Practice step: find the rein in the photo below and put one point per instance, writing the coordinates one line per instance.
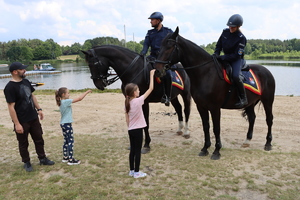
(168, 62)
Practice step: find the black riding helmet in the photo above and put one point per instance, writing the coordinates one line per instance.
(235, 20)
(156, 15)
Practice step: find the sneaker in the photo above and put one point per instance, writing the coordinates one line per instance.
(139, 174)
(28, 167)
(46, 161)
(74, 162)
(64, 160)
(131, 173)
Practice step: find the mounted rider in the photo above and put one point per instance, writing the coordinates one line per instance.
(153, 39)
(233, 43)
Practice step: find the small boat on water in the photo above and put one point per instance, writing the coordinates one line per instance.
(43, 67)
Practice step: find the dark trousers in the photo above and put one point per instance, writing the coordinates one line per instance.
(68, 140)
(33, 128)
(136, 141)
(167, 82)
(236, 70)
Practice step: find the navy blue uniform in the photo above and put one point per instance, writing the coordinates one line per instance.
(153, 39)
(233, 45)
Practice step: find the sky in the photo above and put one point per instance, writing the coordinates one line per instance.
(201, 21)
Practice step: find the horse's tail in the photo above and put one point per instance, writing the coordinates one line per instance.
(245, 110)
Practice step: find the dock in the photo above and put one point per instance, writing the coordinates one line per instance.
(31, 73)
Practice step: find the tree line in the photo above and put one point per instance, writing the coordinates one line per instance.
(267, 49)
(23, 50)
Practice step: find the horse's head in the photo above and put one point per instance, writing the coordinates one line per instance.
(98, 68)
(168, 55)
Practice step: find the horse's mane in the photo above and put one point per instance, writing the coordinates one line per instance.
(194, 45)
(116, 47)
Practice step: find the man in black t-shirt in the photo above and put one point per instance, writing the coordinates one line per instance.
(24, 110)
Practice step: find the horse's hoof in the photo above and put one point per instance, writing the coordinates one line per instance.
(186, 136)
(245, 145)
(215, 156)
(268, 147)
(203, 153)
(145, 150)
(179, 132)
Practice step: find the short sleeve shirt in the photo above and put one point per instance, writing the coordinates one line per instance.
(20, 93)
(66, 111)
(136, 115)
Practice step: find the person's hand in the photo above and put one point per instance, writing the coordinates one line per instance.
(89, 91)
(41, 114)
(152, 72)
(217, 56)
(142, 54)
(19, 129)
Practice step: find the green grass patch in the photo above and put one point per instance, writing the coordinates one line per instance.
(173, 172)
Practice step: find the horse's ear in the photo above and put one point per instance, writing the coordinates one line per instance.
(175, 34)
(85, 52)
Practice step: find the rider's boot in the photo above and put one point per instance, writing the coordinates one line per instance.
(242, 95)
(167, 90)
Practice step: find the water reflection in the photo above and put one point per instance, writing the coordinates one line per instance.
(77, 76)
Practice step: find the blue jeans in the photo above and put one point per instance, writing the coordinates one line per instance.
(68, 140)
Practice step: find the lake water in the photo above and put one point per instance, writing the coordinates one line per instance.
(77, 76)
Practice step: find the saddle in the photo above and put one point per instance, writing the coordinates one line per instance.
(228, 69)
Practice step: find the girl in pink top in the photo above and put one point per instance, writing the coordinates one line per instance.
(136, 122)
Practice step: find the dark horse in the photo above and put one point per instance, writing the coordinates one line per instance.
(210, 91)
(133, 68)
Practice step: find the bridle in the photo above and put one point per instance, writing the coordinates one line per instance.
(169, 60)
(104, 77)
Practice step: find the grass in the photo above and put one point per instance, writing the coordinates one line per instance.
(174, 172)
(68, 57)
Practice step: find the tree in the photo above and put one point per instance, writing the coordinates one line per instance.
(14, 53)
(41, 53)
(26, 54)
(75, 48)
(136, 47)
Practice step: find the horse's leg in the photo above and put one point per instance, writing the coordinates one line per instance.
(216, 117)
(249, 111)
(178, 109)
(269, 119)
(146, 147)
(187, 110)
(205, 123)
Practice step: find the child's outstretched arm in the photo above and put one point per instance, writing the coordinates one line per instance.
(151, 85)
(81, 96)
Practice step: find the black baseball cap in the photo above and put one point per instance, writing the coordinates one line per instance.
(17, 65)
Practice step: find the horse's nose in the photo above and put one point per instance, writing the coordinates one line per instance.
(157, 73)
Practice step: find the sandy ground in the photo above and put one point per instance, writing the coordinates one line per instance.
(102, 113)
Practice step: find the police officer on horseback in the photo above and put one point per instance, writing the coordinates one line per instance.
(153, 39)
(233, 43)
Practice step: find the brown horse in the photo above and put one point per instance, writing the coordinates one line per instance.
(210, 91)
(133, 68)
